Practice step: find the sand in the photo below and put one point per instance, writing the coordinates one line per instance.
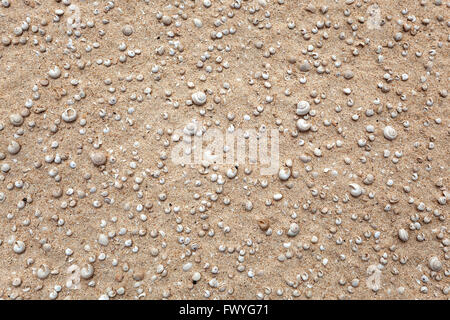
(136, 224)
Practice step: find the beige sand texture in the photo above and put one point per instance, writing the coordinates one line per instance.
(96, 96)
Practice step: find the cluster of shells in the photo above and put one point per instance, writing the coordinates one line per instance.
(91, 205)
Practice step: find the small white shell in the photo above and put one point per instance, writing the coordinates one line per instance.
(14, 147)
(356, 190)
(87, 271)
(54, 73)
(16, 119)
(294, 229)
(69, 115)
(19, 247)
(403, 235)
(231, 173)
(284, 173)
(303, 108)
(199, 98)
(389, 133)
(302, 125)
(43, 272)
(435, 264)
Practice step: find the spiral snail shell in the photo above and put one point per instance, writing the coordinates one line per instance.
(390, 133)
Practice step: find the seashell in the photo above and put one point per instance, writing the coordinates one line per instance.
(356, 190)
(54, 73)
(284, 173)
(389, 133)
(294, 229)
(19, 247)
(231, 173)
(43, 272)
(403, 235)
(14, 147)
(199, 98)
(303, 108)
(87, 271)
(435, 264)
(69, 115)
(16, 119)
(302, 125)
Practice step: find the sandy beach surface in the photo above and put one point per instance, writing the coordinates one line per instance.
(224, 149)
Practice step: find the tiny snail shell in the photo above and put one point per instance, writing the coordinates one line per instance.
(16, 119)
(356, 190)
(303, 108)
(69, 115)
(14, 147)
(403, 235)
(87, 271)
(43, 272)
(199, 98)
(284, 173)
(54, 73)
(389, 133)
(294, 229)
(231, 173)
(98, 158)
(19, 247)
(435, 264)
(302, 125)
